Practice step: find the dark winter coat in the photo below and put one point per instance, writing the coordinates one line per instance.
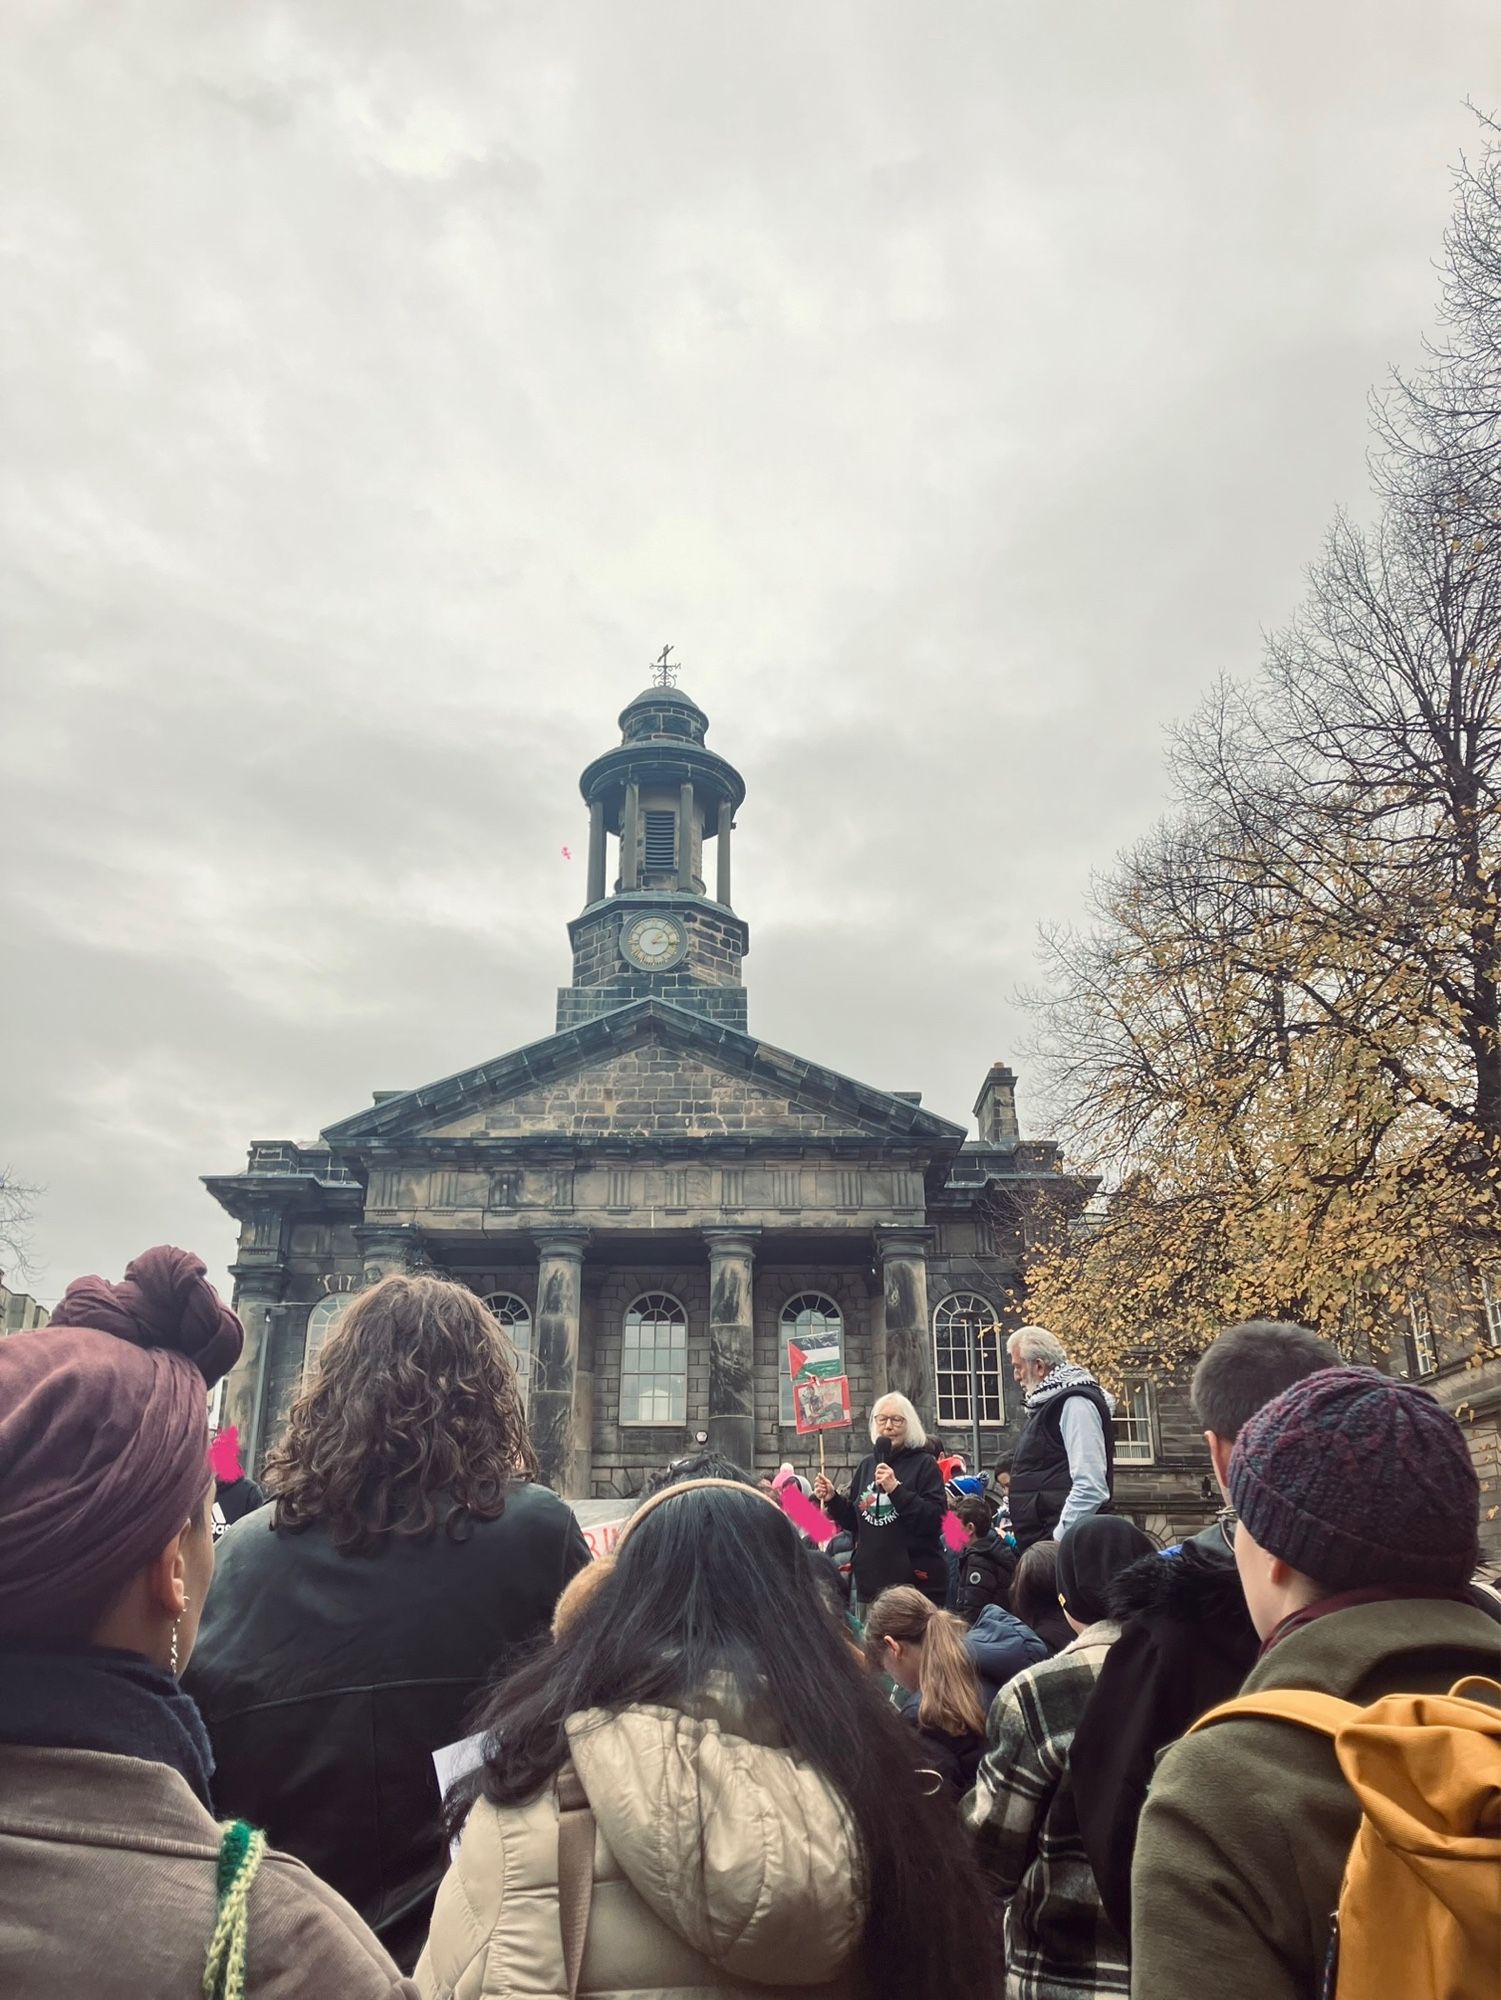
(1001, 1648)
(980, 1575)
(1041, 1476)
(898, 1536)
(1186, 1644)
(235, 1498)
(956, 1759)
(327, 1681)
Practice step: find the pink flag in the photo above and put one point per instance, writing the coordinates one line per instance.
(224, 1455)
(802, 1513)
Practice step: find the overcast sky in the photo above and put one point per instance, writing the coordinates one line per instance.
(961, 389)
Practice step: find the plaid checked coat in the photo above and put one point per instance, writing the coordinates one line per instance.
(1060, 1945)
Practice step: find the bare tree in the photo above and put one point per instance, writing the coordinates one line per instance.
(1281, 1035)
(18, 1200)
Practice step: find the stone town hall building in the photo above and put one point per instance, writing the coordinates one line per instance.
(653, 1200)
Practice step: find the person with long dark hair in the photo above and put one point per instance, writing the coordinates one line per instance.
(356, 1618)
(116, 1876)
(699, 1790)
(1034, 1596)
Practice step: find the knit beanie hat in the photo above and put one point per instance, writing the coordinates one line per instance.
(1357, 1480)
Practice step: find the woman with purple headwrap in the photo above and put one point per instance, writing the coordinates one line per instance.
(115, 1878)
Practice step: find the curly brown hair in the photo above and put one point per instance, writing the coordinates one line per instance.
(414, 1406)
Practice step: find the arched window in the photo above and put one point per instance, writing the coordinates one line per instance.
(968, 1346)
(817, 1325)
(515, 1315)
(321, 1322)
(654, 1361)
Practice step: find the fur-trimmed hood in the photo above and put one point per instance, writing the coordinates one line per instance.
(1188, 1584)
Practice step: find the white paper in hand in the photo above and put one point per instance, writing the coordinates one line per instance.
(455, 1761)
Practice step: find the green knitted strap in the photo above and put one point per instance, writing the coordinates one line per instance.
(241, 1850)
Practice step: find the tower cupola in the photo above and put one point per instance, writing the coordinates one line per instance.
(652, 925)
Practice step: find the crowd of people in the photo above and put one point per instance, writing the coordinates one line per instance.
(1016, 1750)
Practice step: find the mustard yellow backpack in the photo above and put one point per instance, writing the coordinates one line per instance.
(1420, 1905)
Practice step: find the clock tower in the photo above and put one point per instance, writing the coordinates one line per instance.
(656, 930)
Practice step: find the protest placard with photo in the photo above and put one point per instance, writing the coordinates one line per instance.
(822, 1403)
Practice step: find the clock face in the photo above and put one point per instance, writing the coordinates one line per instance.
(653, 942)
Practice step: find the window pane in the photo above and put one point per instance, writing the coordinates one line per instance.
(515, 1315)
(321, 1322)
(1133, 1425)
(966, 1332)
(654, 1361)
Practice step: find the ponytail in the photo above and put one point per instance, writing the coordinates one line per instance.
(948, 1686)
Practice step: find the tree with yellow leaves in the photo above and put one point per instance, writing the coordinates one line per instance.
(1279, 1040)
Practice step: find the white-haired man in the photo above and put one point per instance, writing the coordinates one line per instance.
(1064, 1464)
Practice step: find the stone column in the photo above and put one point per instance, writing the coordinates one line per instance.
(596, 888)
(732, 1410)
(386, 1247)
(630, 838)
(555, 1355)
(592, 1285)
(257, 1295)
(903, 1255)
(722, 887)
(685, 837)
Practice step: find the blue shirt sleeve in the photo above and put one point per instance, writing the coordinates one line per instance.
(1083, 1437)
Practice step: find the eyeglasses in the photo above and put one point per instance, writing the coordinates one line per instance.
(1227, 1520)
(897, 1423)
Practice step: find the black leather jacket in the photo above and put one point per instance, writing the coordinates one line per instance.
(327, 1681)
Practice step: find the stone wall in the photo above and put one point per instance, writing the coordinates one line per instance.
(624, 1454)
(707, 981)
(649, 1091)
(725, 1005)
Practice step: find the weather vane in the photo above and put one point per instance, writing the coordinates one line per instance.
(664, 671)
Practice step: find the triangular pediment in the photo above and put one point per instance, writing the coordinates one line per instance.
(648, 1071)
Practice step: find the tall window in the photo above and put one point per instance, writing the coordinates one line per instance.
(1135, 1443)
(1490, 1291)
(967, 1346)
(808, 1317)
(321, 1322)
(1424, 1347)
(515, 1315)
(654, 1362)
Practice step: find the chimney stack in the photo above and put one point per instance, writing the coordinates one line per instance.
(995, 1107)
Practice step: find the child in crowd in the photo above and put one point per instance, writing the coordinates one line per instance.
(923, 1650)
(980, 1573)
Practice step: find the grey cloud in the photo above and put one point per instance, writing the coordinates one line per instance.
(378, 390)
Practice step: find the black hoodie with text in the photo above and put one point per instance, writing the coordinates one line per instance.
(898, 1535)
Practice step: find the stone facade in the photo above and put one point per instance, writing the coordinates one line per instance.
(19, 1311)
(1449, 1340)
(651, 1191)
